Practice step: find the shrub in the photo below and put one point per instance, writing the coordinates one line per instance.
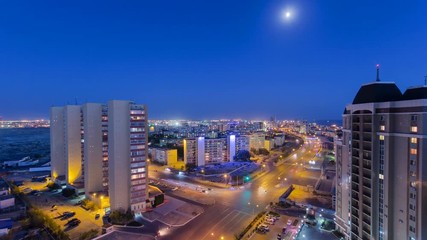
(53, 185)
(89, 205)
(89, 234)
(120, 217)
(68, 192)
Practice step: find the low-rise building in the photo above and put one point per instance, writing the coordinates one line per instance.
(164, 156)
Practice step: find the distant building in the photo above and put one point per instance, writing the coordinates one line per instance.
(204, 151)
(269, 144)
(381, 170)
(7, 199)
(164, 155)
(257, 140)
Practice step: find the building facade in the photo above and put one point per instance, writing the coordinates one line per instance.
(204, 151)
(381, 166)
(164, 156)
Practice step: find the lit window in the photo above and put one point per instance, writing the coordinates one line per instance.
(381, 176)
(414, 129)
(382, 127)
(413, 140)
(413, 151)
(381, 137)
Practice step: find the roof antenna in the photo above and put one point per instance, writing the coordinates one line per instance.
(378, 73)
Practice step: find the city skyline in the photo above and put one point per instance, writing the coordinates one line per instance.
(206, 60)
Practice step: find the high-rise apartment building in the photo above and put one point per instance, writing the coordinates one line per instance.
(106, 147)
(127, 155)
(65, 143)
(381, 166)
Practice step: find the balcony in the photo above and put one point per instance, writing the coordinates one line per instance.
(367, 120)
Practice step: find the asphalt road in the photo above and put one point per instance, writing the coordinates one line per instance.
(234, 209)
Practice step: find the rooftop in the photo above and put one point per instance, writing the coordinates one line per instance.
(419, 92)
(378, 92)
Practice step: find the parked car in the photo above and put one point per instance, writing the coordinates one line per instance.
(266, 227)
(66, 215)
(74, 223)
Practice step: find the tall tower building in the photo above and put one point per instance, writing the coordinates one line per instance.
(65, 138)
(382, 166)
(127, 155)
(92, 148)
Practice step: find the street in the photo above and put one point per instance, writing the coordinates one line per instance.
(235, 208)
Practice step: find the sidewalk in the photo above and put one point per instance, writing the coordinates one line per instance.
(174, 212)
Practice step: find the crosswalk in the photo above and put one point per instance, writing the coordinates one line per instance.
(232, 223)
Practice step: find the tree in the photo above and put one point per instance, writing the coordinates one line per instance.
(263, 151)
(53, 185)
(190, 167)
(242, 155)
(120, 217)
(254, 151)
(68, 192)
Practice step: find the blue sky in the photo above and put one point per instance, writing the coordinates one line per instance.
(206, 59)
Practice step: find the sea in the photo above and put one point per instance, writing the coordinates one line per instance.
(17, 143)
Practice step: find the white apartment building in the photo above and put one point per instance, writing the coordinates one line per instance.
(104, 146)
(203, 151)
(257, 140)
(381, 170)
(127, 155)
(65, 143)
(164, 155)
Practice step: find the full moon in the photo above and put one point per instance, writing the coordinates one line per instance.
(286, 15)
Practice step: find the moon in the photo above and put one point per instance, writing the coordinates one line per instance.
(286, 14)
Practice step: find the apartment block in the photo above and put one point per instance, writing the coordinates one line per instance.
(164, 155)
(103, 148)
(381, 165)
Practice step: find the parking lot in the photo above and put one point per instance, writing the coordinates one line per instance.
(283, 228)
(54, 205)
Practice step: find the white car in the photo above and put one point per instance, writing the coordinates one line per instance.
(269, 221)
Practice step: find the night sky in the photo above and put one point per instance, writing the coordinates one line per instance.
(206, 59)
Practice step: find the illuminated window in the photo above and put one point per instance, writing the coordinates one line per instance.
(381, 176)
(414, 129)
(413, 151)
(413, 140)
(381, 137)
(382, 127)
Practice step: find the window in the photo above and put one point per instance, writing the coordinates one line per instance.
(414, 140)
(414, 118)
(381, 137)
(382, 127)
(413, 151)
(414, 129)
(381, 176)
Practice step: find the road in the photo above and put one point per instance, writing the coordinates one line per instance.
(234, 209)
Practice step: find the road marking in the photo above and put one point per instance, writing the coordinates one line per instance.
(224, 218)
